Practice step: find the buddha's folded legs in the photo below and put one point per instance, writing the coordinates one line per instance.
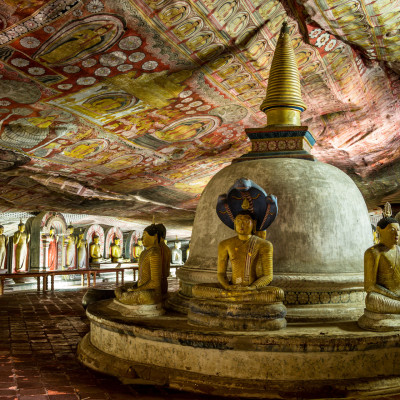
(381, 304)
(267, 294)
(128, 295)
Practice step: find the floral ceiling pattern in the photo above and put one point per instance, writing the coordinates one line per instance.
(129, 107)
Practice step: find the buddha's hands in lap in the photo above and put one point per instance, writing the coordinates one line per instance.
(242, 288)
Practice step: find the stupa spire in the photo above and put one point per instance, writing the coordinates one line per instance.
(283, 103)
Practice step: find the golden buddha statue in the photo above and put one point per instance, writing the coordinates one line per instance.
(70, 241)
(246, 208)
(166, 258)
(81, 245)
(382, 278)
(21, 240)
(147, 290)
(95, 250)
(247, 254)
(3, 247)
(116, 251)
(137, 250)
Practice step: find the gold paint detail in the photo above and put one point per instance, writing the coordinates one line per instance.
(284, 90)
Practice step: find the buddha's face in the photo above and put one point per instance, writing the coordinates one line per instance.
(243, 225)
(177, 245)
(70, 231)
(81, 236)
(51, 232)
(390, 235)
(21, 228)
(96, 240)
(148, 240)
(116, 241)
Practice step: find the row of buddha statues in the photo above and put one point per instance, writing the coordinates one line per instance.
(249, 211)
(46, 242)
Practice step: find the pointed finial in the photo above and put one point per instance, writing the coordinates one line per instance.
(387, 211)
(283, 102)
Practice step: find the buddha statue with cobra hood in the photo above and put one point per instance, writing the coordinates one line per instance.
(246, 208)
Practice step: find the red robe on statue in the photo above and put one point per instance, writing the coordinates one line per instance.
(53, 254)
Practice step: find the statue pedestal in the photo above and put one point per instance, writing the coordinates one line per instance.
(237, 316)
(312, 360)
(379, 322)
(143, 310)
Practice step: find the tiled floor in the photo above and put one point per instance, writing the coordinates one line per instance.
(38, 338)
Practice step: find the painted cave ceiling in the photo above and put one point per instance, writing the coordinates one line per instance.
(129, 107)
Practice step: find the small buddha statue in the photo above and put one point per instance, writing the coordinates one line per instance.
(116, 251)
(176, 254)
(21, 240)
(147, 290)
(3, 247)
(137, 250)
(70, 251)
(81, 246)
(247, 209)
(382, 278)
(95, 250)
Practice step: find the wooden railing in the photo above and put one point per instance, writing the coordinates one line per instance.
(88, 272)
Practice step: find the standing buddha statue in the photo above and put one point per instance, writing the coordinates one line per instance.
(81, 246)
(21, 240)
(3, 247)
(70, 250)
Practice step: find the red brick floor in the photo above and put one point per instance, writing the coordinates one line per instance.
(38, 338)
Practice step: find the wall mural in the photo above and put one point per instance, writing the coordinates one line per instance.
(120, 106)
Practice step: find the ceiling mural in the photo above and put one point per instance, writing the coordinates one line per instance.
(129, 107)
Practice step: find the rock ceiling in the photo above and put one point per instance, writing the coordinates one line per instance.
(128, 108)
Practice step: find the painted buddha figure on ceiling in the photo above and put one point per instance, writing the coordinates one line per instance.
(246, 208)
(382, 278)
(147, 290)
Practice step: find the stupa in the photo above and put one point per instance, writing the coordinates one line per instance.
(323, 227)
(319, 238)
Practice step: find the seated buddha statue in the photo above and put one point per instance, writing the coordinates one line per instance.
(248, 254)
(95, 251)
(116, 251)
(246, 209)
(147, 290)
(382, 278)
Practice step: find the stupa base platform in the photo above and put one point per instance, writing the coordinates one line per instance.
(379, 322)
(243, 316)
(312, 360)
